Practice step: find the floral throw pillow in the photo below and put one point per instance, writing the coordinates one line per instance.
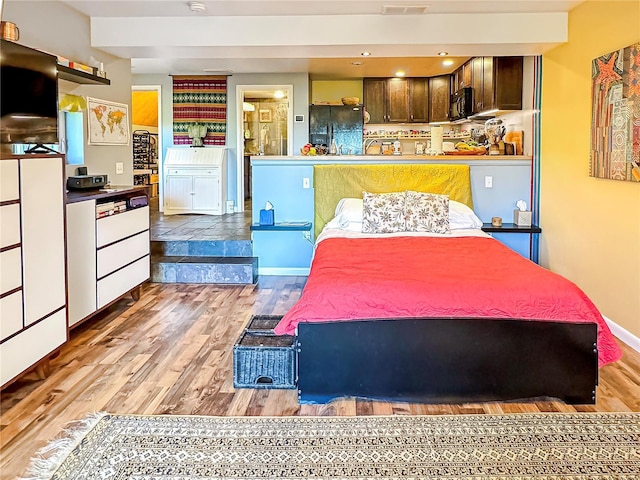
(383, 212)
(427, 212)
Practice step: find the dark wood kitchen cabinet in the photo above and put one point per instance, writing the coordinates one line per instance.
(461, 77)
(396, 100)
(439, 98)
(497, 83)
(419, 100)
(375, 99)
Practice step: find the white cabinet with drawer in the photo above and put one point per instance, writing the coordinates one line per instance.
(33, 314)
(195, 181)
(107, 257)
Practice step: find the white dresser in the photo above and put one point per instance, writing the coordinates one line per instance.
(33, 314)
(195, 180)
(107, 257)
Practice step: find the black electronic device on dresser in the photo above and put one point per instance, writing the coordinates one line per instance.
(461, 104)
(86, 182)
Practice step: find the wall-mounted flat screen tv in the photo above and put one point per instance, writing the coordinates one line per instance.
(29, 95)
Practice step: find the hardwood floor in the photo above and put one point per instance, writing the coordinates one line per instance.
(171, 353)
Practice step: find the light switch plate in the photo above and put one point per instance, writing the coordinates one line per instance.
(119, 167)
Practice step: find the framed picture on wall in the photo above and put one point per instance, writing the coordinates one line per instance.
(265, 116)
(615, 100)
(108, 122)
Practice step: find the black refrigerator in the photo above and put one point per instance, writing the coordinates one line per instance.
(340, 123)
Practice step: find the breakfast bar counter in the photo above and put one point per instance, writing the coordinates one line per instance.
(385, 159)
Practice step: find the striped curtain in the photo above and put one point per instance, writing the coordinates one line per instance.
(201, 99)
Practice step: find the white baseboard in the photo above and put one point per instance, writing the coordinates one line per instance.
(625, 335)
(296, 272)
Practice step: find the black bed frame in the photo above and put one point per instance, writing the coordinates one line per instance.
(449, 360)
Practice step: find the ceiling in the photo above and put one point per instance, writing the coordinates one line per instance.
(324, 39)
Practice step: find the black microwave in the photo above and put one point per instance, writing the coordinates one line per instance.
(461, 104)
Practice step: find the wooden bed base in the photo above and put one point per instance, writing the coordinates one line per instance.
(447, 360)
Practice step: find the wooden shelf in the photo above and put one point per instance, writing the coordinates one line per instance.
(78, 76)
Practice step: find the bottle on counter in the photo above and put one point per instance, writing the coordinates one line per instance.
(333, 148)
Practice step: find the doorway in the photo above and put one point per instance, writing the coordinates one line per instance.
(264, 127)
(146, 119)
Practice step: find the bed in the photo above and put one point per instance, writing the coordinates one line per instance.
(435, 317)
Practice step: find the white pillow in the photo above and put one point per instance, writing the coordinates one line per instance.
(461, 216)
(349, 210)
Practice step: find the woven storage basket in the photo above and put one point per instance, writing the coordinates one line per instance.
(263, 323)
(350, 100)
(262, 359)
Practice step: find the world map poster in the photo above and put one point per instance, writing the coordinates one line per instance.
(108, 122)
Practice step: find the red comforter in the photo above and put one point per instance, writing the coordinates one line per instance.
(437, 277)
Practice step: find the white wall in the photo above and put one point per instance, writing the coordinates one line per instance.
(60, 30)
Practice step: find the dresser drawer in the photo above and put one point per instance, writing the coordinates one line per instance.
(22, 351)
(119, 254)
(194, 172)
(11, 268)
(9, 225)
(114, 228)
(118, 283)
(10, 314)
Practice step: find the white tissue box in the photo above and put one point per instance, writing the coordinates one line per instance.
(522, 218)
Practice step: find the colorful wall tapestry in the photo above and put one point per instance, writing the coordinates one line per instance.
(199, 101)
(615, 120)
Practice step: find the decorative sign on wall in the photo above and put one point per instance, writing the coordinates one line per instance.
(615, 119)
(108, 122)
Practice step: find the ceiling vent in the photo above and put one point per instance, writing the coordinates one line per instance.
(404, 10)
(197, 7)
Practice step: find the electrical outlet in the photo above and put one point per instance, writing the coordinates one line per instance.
(119, 167)
(488, 182)
(306, 235)
(306, 183)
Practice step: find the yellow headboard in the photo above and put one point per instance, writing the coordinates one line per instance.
(333, 182)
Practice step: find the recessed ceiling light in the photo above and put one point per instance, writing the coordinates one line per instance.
(443, 54)
(365, 54)
(196, 6)
(446, 63)
(357, 64)
(399, 73)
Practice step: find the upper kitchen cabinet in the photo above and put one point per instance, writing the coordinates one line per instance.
(375, 99)
(439, 98)
(396, 100)
(461, 77)
(497, 83)
(419, 100)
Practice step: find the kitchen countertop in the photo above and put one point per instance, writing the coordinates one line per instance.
(318, 158)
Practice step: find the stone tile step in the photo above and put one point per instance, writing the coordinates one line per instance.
(202, 248)
(204, 269)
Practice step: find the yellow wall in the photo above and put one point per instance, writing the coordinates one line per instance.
(591, 227)
(334, 90)
(144, 108)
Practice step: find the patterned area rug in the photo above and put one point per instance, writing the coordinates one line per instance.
(524, 447)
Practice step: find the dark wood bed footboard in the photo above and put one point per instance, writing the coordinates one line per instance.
(447, 360)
